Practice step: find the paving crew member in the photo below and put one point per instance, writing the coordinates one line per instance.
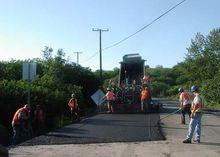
(185, 104)
(196, 115)
(73, 108)
(39, 120)
(19, 122)
(110, 96)
(146, 80)
(28, 127)
(145, 99)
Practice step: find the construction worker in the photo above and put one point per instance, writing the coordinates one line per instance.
(145, 98)
(73, 108)
(196, 115)
(110, 96)
(39, 120)
(146, 80)
(28, 127)
(19, 122)
(185, 104)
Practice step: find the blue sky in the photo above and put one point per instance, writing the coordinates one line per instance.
(26, 26)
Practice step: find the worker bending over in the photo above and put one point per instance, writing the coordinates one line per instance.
(19, 123)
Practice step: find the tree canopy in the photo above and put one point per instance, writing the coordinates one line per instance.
(201, 67)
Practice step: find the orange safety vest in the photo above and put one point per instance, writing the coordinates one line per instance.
(186, 96)
(110, 96)
(16, 119)
(197, 103)
(72, 103)
(144, 94)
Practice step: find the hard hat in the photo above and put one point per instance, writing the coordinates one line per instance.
(194, 88)
(27, 106)
(72, 95)
(145, 77)
(180, 90)
(108, 89)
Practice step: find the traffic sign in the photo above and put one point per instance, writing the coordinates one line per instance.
(98, 97)
(29, 71)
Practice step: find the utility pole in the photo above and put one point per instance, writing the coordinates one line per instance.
(100, 47)
(77, 53)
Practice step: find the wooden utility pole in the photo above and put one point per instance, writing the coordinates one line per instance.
(100, 47)
(77, 53)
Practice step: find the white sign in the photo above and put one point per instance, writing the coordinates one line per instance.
(98, 97)
(29, 71)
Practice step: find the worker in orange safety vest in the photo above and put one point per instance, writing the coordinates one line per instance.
(39, 120)
(145, 99)
(18, 123)
(110, 96)
(196, 116)
(74, 108)
(185, 104)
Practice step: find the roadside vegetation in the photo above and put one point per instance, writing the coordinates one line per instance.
(57, 78)
(201, 67)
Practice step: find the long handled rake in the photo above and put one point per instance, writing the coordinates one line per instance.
(167, 116)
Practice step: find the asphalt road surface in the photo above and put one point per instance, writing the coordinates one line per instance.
(104, 128)
(112, 129)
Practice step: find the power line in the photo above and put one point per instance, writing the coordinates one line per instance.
(94, 54)
(141, 29)
(126, 38)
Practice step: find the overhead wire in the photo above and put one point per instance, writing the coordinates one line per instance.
(94, 54)
(138, 31)
(144, 27)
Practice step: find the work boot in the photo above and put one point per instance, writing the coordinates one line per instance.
(183, 120)
(187, 141)
(196, 141)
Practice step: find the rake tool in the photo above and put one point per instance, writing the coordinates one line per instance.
(172, 113)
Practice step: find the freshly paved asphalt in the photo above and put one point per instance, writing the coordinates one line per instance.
(104, 128)
(170, 127)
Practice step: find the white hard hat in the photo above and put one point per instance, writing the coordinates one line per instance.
(145, 77)
(28, 107)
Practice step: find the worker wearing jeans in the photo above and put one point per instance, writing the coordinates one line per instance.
(196, 115)
(195, 125)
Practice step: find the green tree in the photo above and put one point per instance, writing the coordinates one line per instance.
(203, 57)
(11, 70)
(203, 64)
(162, 80)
